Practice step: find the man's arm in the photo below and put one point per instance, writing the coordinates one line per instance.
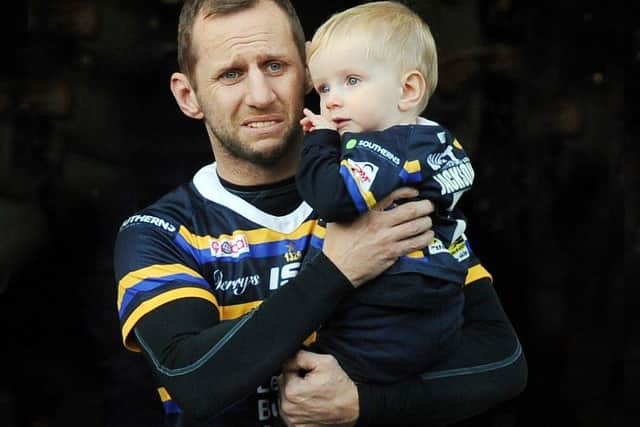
(207, 365)
(486, 369)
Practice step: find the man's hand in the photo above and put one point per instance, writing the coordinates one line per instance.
(312, 121)
(325, 395)
(369, 245)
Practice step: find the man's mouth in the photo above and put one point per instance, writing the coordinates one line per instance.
(264, 123)
(256, 125)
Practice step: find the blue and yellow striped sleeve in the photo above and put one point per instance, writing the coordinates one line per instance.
(152, 269)
(143, 290)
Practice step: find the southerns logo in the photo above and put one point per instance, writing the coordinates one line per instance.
(365, 172)
(456, 174)
(233, 247)
(236, 286)
(372, 146)
(149, 219)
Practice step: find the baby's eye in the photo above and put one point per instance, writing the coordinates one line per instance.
(352, 81)
(323, 89)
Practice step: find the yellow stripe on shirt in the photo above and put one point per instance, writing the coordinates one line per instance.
(477, 272)
(260, 235)
(412, 166)
(416, 254)
(229, 312)
(164, 394)
(156, 270)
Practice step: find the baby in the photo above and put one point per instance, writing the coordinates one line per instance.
(374, 67)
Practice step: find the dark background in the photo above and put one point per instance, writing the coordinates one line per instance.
(89, 133)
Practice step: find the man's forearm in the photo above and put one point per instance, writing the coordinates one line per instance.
(194, 355)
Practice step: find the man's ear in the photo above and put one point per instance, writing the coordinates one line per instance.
(414, 88)
(185, 96)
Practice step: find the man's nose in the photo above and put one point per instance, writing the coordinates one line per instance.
(260, 90)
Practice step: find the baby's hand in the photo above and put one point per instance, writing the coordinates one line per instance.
(313, 121)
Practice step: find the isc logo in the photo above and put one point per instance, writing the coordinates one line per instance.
(279, 276)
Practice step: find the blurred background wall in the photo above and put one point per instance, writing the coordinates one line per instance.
(89, 133)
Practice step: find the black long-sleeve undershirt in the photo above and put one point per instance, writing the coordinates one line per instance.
(190, 349)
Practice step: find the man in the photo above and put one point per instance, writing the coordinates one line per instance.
(207, 276)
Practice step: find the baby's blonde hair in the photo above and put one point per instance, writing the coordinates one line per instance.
(394, 34)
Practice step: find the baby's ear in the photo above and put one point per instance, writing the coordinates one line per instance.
(414, 89)
(308, 83)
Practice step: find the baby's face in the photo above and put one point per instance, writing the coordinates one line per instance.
(357, 93)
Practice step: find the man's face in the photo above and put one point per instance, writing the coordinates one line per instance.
(250, 83)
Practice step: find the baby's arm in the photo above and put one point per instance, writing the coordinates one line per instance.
(318, 176)
(338, 188)
(313, 121)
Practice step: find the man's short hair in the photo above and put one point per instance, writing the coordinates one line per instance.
(393, 34)
(192, 8)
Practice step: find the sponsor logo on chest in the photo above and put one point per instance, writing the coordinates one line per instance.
(232, 247)
(237, 286)
(375, 148)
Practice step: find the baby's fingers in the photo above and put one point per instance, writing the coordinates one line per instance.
(307, 124)
(307, 112)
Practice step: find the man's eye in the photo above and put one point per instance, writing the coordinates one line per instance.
(230, 75)
(352, 81)
(275, 67)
